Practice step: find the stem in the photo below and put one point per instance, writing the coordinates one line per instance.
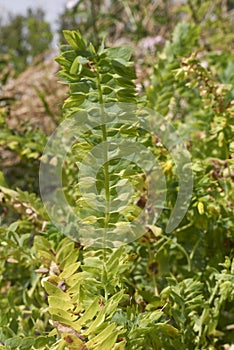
(151, 255)
(156, 293)
(106, 166)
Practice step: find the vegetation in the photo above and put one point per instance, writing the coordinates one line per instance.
(23, 38)
(62, 288)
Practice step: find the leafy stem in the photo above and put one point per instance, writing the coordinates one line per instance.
(106, 166)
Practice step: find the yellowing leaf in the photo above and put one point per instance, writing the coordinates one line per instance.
(56, 302)
(51, 289)
(101, 337)
(70, 270)
(200, 208)
(89, 313)
(72, 342)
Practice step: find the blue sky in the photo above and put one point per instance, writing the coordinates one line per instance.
(51, 7)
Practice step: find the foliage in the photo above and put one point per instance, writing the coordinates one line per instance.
(24, 37)
(115, 18)
(164, 290)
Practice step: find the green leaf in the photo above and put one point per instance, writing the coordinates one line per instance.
(98, 322)
(55, 301)
(120, 346)
(74, 39)
(13, 342)
(20, 343)
(109, 333)
(62, 313)
(123, 70)
(66, 77)
(110, 341)
(126, 83)
(123, 52)
(41, 342)
(74, 100)
(13, 227)
(71, 258)
(89, 313)
(64, 249)
(92, 49)
(75, 67)
(126, 93)
(69, 270)
(82, 60)
(167, 329)
(51, 289)
(113, 302)
(3, 182)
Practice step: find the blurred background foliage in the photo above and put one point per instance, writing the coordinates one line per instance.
(179, 286)
(23, 38)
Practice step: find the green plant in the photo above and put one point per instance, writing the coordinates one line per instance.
(143, 320)
(164, 290)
